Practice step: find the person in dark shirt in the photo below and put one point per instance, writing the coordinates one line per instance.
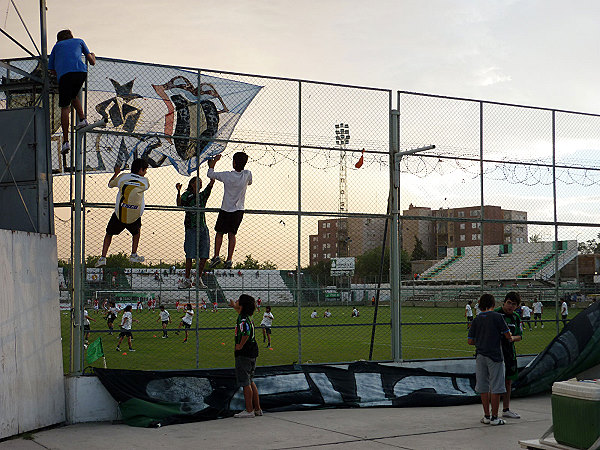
(513, 320)
(195, 227)
(246, 352)
(485, 334)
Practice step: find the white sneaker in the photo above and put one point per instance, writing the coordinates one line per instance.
(81, 124)
(66, 147)
(201, 284)
(101, 262)
(258, 412)
(244, 414)
(510, 414)
(134, 258)
(186, 283)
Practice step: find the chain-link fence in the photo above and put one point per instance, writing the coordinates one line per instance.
(505, 201)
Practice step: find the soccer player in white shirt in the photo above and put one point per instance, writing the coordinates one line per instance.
(186, 321)
(564, 312)
(165, 318)
(266, 324)
(538, 309)
(469, 313)
(313, 315)
(126, 322)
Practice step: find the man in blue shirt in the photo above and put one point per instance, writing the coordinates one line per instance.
(65, 61)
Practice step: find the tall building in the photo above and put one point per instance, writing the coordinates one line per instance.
(439, 235)
(352, 236)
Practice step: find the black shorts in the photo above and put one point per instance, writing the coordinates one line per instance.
(115, 226)
(229, 222)
(69, 86)
(165, 322)
(186, 325)
(469, 318)
(267, 329)
(86, 328)
(125, 333)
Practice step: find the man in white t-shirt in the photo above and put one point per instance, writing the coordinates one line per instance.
(538, 309)
(266, 324)
(231, 213)
(355, 312)
(86, 326)
(313, 315)
(129, 207)
(469, 313)
(126, 323)
(564, 312)
(165, 319)
(327, 313)
(186, 320)
(526, 316)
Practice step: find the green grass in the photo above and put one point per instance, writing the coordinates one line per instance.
(340, 338)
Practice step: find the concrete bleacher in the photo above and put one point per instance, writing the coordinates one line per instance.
(266, 284)
(529, 260)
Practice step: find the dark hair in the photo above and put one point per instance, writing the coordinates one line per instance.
(514, 297)
(128, 308)
(113, 304)
(162, 307)
(486, 301)
(193, 180)
(63, 35)
(470, 301)
(188, 306)
(268, 309)
(138, 164)
(247, 304)
(239, 161)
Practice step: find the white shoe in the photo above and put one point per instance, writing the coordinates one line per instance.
(81, 124)
(101, 262)
(510, 414)
(244, 414)
(201, 284)
(66, 147)
(134, 258)
(258, 412)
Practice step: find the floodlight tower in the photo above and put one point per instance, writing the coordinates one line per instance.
(342, 138)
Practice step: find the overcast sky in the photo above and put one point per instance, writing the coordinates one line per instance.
(533, 52)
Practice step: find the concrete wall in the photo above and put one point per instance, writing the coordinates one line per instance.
(32, 391)
(89, 401)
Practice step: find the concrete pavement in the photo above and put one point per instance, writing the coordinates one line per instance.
(453, 427)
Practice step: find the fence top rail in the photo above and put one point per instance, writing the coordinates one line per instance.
(270, 77)
(489, 102)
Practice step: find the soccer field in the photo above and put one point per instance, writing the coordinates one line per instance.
(427, 332)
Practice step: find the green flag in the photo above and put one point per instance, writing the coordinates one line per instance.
(95, 351)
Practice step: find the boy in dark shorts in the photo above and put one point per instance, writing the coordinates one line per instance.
(126, 322)
(111, 315)
(231, 213)
(165, 319)
(129, 207)
(485, 333)
(512, 319)
(195, 228)
(246, 352)
(71, 71)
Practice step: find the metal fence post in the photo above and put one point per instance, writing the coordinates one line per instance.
(395, 236)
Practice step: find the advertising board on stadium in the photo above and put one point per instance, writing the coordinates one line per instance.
(343, 266)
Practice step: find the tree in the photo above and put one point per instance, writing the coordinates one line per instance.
(418, 252)
(537, 237)
(589, 247)
(253, 264)
(367, 265)
(319, 272)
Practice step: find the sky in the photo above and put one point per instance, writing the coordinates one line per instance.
(536, 52)
(529, 52)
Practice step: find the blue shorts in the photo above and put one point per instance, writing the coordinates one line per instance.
(189, 245)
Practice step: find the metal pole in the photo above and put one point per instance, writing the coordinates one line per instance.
(198, 276)
(556, 274)
(299, 307)
(46, 107)
(395, 235)
(481, 277)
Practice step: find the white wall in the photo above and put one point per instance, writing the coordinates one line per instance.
(32, 391)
